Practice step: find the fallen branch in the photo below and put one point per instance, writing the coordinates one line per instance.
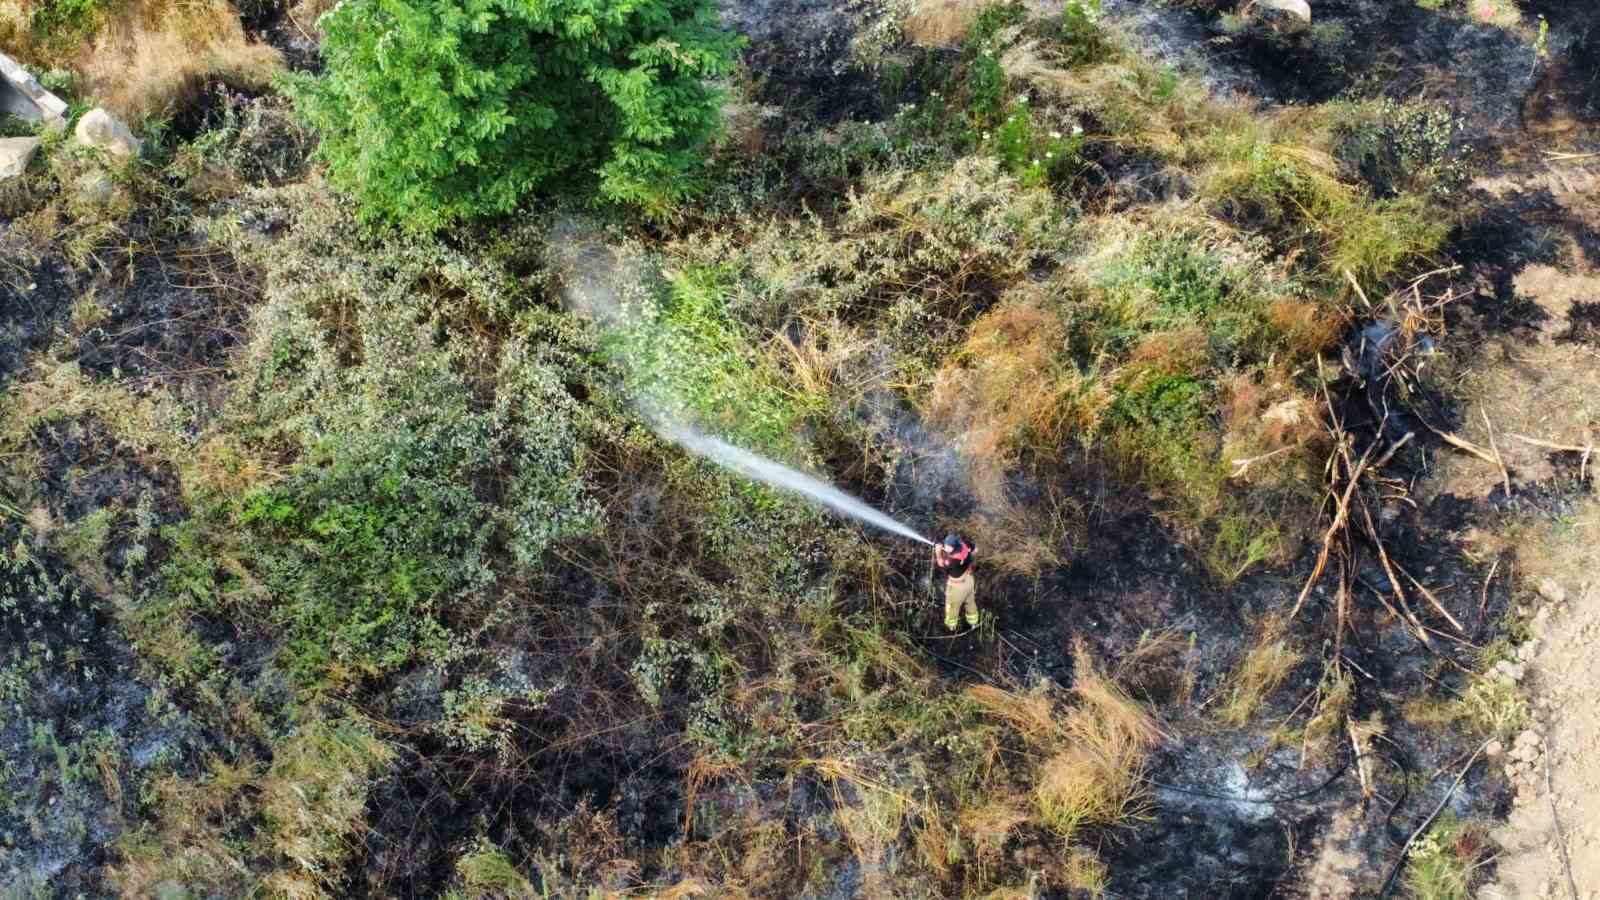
(1242, 466)
(1344, 608)
(1587, 451)
(1483, 604)
(1492, 459)
(1361, 759)
(1558, 156)
(1498, 460)
(1434, 601)
(1394, 870)
(1561, 835)
(1340, 517)
(1357, 285)
(1394, 581)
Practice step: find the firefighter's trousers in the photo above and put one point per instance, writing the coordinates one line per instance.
(960, 595)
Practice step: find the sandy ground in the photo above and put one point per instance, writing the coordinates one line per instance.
(1548, 389)
(1534, 853)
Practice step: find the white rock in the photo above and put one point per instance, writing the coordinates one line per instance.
(1494, 750)
(1529, 737)
(99, 128)
(15, 154)
(23, 96)
(1551, 590)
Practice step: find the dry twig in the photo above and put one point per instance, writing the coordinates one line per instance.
(1491, 458)
(1587, 450)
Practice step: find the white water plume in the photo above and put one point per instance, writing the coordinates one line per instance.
(759, 468)
(608, 285)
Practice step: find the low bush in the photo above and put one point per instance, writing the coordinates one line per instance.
(1402, 148)
(413, 457)
(1444, 863)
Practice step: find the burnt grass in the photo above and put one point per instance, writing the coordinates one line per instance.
(77, 732)
(173, 314)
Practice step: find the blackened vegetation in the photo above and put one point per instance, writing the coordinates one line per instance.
(79, 729)
(804, 46)
(1362, 47)
(36, 298)
(1575, 48)
(171, 321)
(1583, 324)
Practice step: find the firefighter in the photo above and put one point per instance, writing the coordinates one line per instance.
(954, 556)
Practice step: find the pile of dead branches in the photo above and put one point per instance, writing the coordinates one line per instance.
(1385, 366)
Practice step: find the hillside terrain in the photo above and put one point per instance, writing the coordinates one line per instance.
(362, 532)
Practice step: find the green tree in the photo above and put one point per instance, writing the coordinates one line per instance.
(434, 110)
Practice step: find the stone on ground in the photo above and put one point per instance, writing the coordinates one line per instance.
(15, 154)
(99, 128)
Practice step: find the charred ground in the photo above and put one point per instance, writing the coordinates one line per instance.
(233, 667)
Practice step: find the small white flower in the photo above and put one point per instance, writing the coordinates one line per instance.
(1055, 135)
(1036, 162)
(1023, 99)
(1049, 154)
(1077, 130)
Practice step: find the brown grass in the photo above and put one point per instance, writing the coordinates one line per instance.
(158, 55)
(989, 826)
(314, 797)
(1092, 753)
(1307, 328)
(1031, 715)
(941, 23)
(1004, 392)
(1261, 673)
(1171, 352)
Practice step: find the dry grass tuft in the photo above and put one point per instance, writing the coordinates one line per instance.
(157, 56)
(1005, 392)
(1093, 752)
(1264, 669)
(1032, 715)
(989, 826)
(1097, 778)
(315, 796)
(941, 23)
(1085, 871)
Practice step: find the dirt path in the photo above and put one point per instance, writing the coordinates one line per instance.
(1535, 854)
(1541, 380)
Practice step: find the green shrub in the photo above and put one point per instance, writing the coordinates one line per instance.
(1034, 154)
(426, 463)
(1167, 281)
(1402, 147)
(682, 356)
(1441, 863)
(432, 112)
(1081, 42)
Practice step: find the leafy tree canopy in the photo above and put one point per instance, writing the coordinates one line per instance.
(435, 110)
